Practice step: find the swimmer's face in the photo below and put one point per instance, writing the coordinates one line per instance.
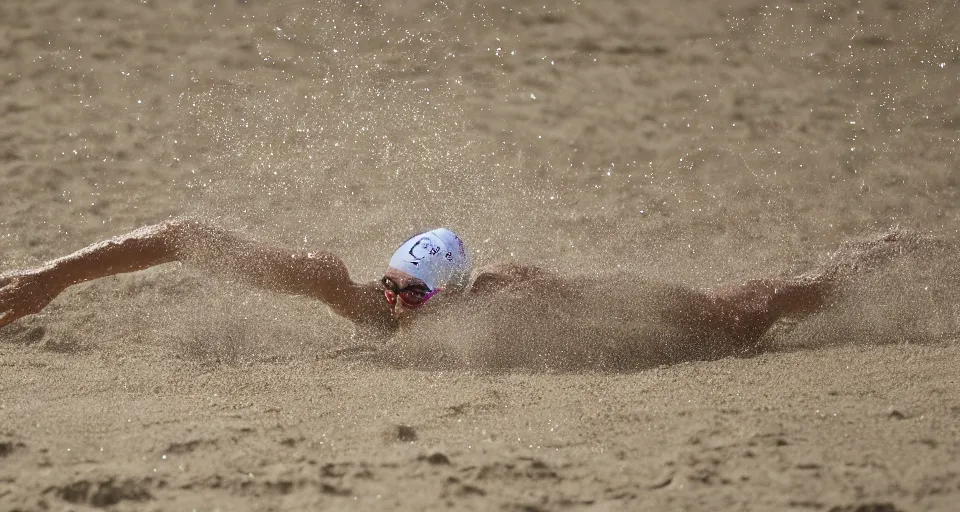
(404, 292)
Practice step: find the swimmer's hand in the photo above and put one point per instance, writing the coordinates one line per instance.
(25, 293)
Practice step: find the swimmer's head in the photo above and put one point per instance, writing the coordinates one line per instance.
(432, 261)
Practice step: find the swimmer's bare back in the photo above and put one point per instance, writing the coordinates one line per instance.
(742, 312)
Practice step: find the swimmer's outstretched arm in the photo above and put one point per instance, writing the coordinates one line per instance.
(747, 310)
(319, 275)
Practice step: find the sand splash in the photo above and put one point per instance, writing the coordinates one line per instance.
(619, 323)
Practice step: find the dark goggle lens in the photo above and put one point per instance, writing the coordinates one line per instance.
(412, 297)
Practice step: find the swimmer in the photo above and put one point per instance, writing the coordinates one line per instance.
(428, 272)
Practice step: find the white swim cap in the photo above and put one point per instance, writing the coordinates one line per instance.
(438, 258)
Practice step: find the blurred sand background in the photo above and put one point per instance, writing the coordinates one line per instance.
(696, 142)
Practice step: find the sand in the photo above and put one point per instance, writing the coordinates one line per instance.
(686, 142)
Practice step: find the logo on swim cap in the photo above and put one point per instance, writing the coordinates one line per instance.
(423, 248)
(437, 257)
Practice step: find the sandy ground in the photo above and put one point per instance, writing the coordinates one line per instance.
(696, 142)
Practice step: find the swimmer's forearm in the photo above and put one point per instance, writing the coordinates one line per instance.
(138, 250)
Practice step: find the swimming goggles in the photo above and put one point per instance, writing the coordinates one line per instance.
(412, 296)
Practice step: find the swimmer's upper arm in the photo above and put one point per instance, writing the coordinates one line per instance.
(320, 275)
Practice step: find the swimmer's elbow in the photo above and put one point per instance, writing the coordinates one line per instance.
(326, 275)
(182, 229)
(194, 237)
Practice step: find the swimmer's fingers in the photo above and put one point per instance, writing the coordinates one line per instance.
(8, 296)
(861, 255)
(892, 241)
(22, 295)
(941, 246)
